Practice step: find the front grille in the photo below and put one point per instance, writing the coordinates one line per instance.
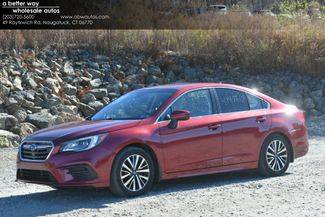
(35, 175)
(35, 151)
(81, 172)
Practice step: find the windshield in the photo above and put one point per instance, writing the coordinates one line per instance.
(137, 104)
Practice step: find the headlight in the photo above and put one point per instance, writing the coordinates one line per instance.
(82, 144)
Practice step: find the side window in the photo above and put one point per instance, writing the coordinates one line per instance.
(255, 102)
(198, 103)
(232, 100)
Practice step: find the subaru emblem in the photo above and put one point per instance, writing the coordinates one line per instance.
(33, 147)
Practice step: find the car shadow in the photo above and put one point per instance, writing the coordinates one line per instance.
(61, 201)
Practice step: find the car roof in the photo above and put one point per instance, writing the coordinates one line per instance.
(189, 86)
(184, 87)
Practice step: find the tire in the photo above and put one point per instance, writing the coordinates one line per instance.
(274, 156)
(122, 172)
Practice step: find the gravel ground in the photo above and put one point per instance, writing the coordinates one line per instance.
(300, 192)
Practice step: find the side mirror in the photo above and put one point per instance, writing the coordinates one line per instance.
(180, 115)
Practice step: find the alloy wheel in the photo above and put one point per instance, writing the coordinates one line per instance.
(276, 155)
(135, 172)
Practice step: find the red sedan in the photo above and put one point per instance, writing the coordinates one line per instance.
(166, 132)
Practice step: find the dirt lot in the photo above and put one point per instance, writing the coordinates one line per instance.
(300, 192)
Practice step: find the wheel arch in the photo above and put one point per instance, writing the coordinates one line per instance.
(150, 151)
(286, 138)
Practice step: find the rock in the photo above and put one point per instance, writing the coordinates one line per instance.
(4, 91)
(17, 83)
(106, 100)
(171, 77)
(30, 95)
(64, 117)
(8, 139)
(72, 99)
(71, 109)
(35, 109)
(119, 74)
(99, 93)
(155, 71)
(85, 109)
(41, 119)
(6, 82)
(151, 79)
(20, 114)
(69, 89)
(95, 83)
(112, 95)
(7, 121)
(68, 69)
(95, 73)
(24, 129)
(135, 79)
(53, 101)
(317, 94)
(190, 74)
(309, 104)
(53, 84)
(97, 105)
(31, 83)
(88, 97)
(93, 65)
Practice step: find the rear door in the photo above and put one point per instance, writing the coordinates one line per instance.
(244, 123)
(196, 143)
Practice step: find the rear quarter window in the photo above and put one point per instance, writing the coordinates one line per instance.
(255, 102)
(232, 100)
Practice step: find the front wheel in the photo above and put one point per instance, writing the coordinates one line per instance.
(274, 156)
(132, 172)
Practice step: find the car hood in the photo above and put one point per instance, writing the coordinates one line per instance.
(73, 130)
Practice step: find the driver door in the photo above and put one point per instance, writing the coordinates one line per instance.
(195, 143)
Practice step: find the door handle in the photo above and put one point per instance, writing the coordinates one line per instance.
(214, 126)
(260, 119)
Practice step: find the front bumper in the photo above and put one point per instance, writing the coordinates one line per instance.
(82, 169)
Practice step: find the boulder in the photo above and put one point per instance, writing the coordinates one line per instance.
(97, 105)
(151, 79)
(69, 89)
(64, 117)
(155, 71)
(171, 77)
(95, 83)
(7, 121)
(85, 109)
(68, 69)
(31, 82)
(191, 74)
(41, 119)
(24, 129)
(8, 139)
(99, 93)
(88, 97)
(309, 103)
(120, 75)
(93, 65)
(6, 82)
(95, 73)
(53, 84)
(17, 83)
(20, 114)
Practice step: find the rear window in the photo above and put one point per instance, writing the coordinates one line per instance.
(232, 100)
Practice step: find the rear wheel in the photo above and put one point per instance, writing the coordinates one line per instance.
(132, 172)
(274, 156)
